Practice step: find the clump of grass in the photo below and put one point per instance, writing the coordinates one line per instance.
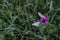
(17, 16)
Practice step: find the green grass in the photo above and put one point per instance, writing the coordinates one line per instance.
(17, 16)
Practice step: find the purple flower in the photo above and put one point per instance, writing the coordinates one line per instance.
(44, 20)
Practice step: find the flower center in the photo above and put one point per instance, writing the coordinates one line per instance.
(44, 20)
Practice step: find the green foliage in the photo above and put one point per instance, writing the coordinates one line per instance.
(17, 16)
